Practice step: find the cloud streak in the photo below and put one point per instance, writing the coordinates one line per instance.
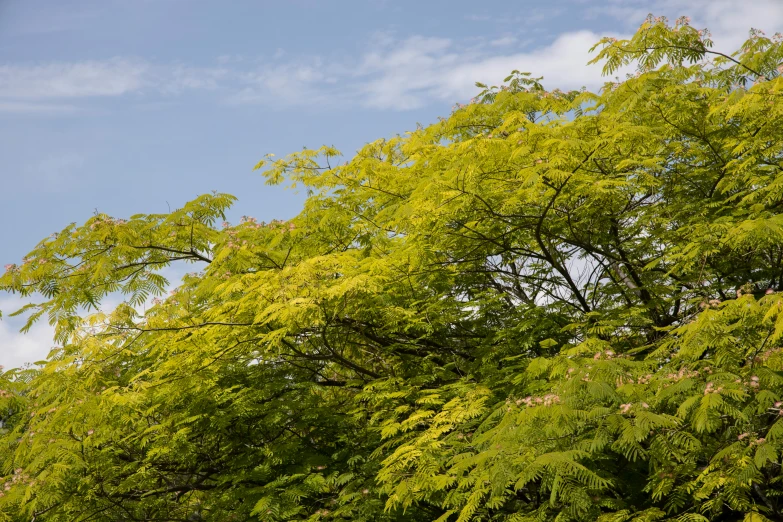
(413, 72)
(72, 80)
(63, 87)
(26, 107)
(391, 74)
(419, 71)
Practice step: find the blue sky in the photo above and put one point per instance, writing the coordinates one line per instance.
(129, 106)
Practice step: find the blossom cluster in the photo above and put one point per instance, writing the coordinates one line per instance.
(644, 379)
(753, 442)
(710, 388)
(606, 354)
(547, 400)
(683, 20)
(18, 477)
(233, 241)
(708, 304)
(766, 354)
(106, 220)
(684, 373)
(625, 408)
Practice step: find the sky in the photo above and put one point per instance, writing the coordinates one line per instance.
(137, 106)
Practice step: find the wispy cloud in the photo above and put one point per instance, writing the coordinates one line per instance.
(412, 72)
(503, 41)
(418, 70)
(178, 78)
(26, 107)
(391, 74)
(526, 18)
(296, 81)
(72, 80)
(42, 88)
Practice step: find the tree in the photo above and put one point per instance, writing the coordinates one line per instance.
(547, 306)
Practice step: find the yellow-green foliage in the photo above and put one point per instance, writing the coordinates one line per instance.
(549, 306)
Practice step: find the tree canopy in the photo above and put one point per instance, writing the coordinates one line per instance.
(547, 306)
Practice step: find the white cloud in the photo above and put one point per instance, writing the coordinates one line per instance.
(26, 107)
(41, 88)
(413, 72)
(392, 74)
(419, 70)
(410, 73)
(180, 78)
(728, 20)
(303, 81)
(72, 80)
(17, 348)
(503, 41)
